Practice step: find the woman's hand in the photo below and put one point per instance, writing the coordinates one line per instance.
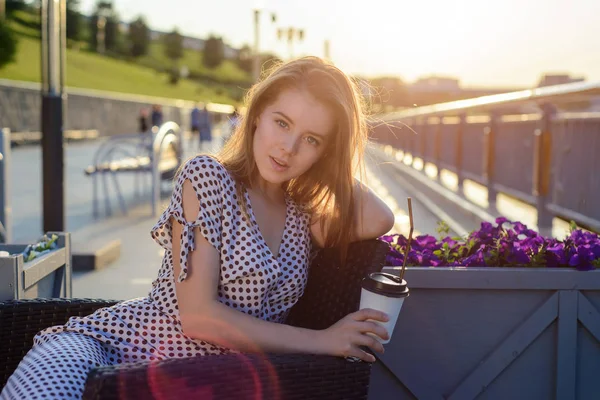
(345, 336)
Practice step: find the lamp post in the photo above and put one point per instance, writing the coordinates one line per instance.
(258, 8)
(290, 34)
(53, 80)
(256, 58)
(101, 34)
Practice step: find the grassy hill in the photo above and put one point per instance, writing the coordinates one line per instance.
(93, 71)
(228, 71)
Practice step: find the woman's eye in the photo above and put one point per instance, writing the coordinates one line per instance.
(312, 140)
(282, 123)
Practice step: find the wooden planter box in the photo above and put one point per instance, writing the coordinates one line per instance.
(48, 276)
(494, 333)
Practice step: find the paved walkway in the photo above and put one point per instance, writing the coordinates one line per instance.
(26, 199)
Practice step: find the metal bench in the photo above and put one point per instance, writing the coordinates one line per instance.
(158, 155)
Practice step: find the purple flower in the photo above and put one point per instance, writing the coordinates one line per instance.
(388, 238)
(501, 220)
(507, 244)
(518, 256)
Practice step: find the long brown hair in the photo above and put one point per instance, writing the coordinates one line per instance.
(327, 188)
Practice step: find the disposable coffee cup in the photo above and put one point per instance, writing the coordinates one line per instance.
(384, 292)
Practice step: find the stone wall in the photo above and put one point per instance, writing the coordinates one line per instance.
(109, 113)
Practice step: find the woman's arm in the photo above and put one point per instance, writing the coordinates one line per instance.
(204, 317)
(372, 217)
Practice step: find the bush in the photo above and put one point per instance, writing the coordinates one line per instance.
(8, 44)
(508, 244)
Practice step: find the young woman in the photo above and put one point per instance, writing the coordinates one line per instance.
(237, 237)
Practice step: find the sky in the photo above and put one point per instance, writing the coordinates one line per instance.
(484, 43)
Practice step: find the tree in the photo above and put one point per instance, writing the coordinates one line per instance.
(173, 42)
(244, 58)
(14, 5)
(73, 20)
(214, 52)
(8, 45)
(139, 37)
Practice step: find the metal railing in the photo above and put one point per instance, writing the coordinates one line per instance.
(167, 138)
(524, 144)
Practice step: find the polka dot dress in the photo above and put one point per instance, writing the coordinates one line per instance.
(253, 280)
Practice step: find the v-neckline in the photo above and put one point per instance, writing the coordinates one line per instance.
(259, 232)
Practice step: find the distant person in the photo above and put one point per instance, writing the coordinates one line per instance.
(234, 121)
(143, 120)
(195, 125)
(205, 129)
(157, 116)
(226, 285)
(195, 120)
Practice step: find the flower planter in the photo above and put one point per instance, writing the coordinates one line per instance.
(47, 276)
(494, 333)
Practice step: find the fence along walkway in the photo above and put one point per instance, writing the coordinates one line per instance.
(524, 144)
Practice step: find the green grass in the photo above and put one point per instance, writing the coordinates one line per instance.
(228, 71)
(92, 71)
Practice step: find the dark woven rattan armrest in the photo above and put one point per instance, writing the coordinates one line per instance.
(21, 320)
(233, 376)
(333, 290)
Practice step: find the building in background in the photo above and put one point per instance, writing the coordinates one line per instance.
(558, 79)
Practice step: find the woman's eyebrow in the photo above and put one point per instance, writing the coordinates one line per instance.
(291, 121)
(284, 116)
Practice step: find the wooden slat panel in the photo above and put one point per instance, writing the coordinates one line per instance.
(487, 278)
(566, 360)
(508, 351)
(589, 316)
(414, 383)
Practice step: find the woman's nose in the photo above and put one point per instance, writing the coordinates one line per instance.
(290, 144)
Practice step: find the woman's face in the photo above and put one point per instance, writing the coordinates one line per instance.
(291, 135)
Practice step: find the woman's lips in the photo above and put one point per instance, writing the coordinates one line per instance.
(278, 165)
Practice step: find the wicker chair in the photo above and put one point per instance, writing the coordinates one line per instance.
(331, 293)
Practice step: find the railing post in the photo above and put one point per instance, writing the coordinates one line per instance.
(542, 169)
(459, 151)
(410, 139)
(424, 131)
(437, 148)
(405, 140)
(5, 186)
(489, 159)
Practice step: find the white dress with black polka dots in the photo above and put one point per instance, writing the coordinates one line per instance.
(252, 280)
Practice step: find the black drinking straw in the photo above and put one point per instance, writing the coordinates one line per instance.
(410, 218)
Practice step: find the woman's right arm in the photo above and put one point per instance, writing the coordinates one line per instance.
(203, 317)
